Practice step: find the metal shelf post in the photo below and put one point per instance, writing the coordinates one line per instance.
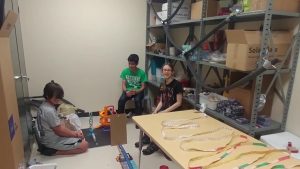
(291, 81)
(264, 51)
(200, 66)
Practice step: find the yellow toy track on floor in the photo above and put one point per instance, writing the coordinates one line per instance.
(104, 116)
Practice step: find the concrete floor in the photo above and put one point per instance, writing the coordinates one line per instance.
(104, 157)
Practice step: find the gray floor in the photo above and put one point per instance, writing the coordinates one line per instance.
(104, 157)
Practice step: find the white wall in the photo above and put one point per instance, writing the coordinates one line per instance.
(293, 124)
(71, 41)
(83, 45)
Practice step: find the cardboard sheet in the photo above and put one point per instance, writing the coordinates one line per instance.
(118, 130)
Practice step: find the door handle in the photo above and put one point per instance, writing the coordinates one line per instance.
(25, 77)
(17, 77)
(22, 76)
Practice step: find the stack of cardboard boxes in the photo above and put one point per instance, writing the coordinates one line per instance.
(11, 146)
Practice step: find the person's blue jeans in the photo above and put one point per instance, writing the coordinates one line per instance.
(138, 100)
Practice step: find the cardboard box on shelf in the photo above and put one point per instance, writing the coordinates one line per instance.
(243, 48)
(196, 12)
(278, 5)
(11, 144)
(177, 18)
(185, 6)
(183, 13)
(154, 47)
(245, 95)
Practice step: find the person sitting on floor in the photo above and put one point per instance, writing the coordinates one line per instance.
(54, 135)
(133, 85)
(171, 92)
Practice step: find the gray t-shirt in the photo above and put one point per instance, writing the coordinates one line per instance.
(48, 120)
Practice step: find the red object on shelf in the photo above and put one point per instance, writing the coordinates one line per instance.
(206, 46)
(292, 149)
(163, 167)
(185, 83)
(224, 11)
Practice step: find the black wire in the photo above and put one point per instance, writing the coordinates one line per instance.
(242, 81)
(245, 79)
(170, 39)
(219, 26)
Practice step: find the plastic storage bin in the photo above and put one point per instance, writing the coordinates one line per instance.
(210, 100)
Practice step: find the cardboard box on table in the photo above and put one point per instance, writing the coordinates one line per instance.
(278, 5)
(11, 145)
(243, 48)
(196, 10)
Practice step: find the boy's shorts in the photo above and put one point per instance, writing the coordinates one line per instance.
(66, 144)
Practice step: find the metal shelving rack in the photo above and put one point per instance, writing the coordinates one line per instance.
(267, 16)
(245, 17)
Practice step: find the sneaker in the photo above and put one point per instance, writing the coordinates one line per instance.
(137, 144)
(150, 149)
(129, 115)
(145, 140)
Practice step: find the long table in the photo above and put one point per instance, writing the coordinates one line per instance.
(151, 125)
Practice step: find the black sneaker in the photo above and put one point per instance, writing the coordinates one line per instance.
(129, 115)
(150, 149)
(137, 144)
(145, 140)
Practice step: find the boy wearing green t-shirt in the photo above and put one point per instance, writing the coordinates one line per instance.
(133, 85)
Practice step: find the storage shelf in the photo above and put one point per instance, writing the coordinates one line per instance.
(179, 58)
(245, 128)
(254, 16)
(213, 64)
(249, 16)
(179, 24)
(166, 56)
